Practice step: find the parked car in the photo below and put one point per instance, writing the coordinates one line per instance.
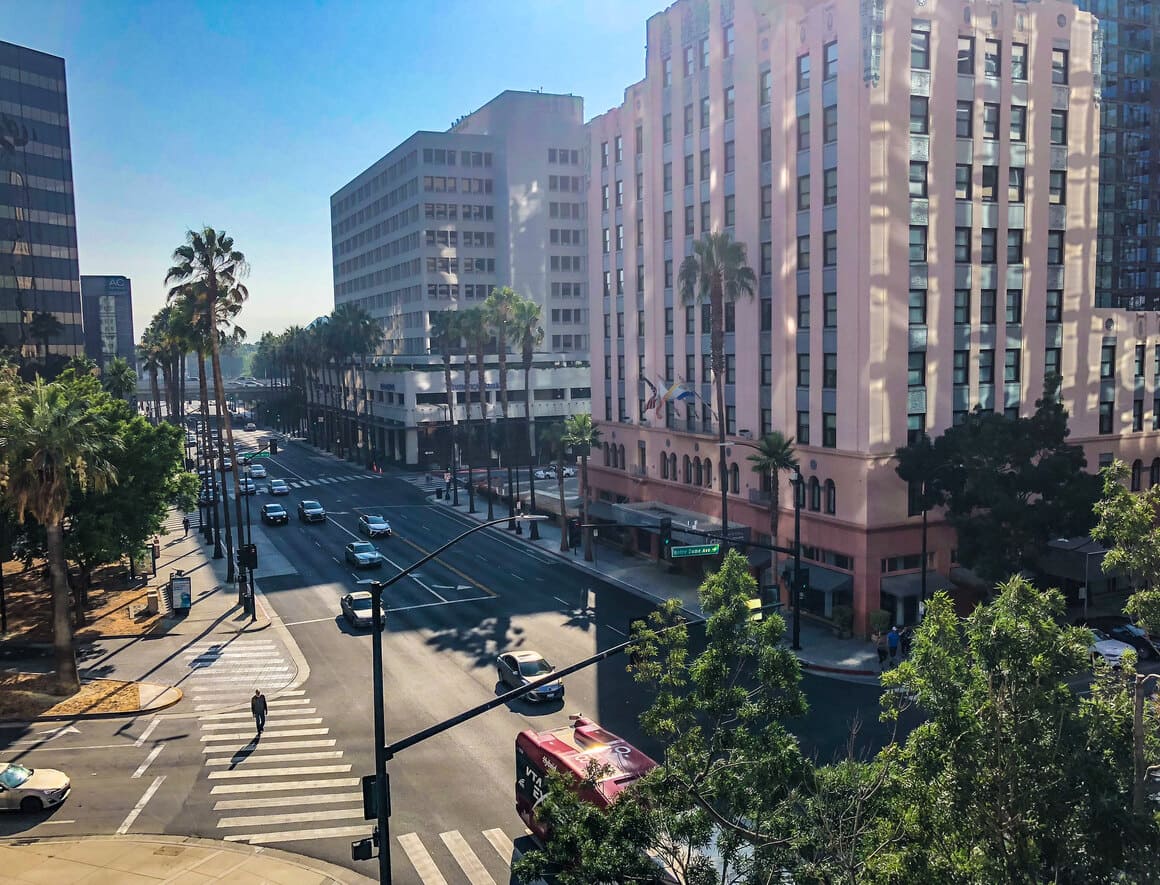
(311, 511)
(275, 514)
(279, 487)
(363, 554)
(569, 470)
(358, 609)
(545, 473)
(258, 470)
(1108, 649)
(374, 526)
(32, 789)
(518, 668)
(247, 486)
(1120, 628)
(250, 425)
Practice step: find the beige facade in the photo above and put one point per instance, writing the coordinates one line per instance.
(916, 185)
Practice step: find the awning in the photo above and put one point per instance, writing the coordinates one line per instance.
(900, 586)
(1080, 560)
(825, 580)
(601, 510)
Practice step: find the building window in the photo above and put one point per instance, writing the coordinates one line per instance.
(729, 41)
(803, 72)
(1106, 417)
(962, 245)
(620, 238)
(917, 244)
(668, 273)
(607, 240)
(1108, 361)
(961, 370)
(1055, 247)
(916, 368)
(766, 145)
(1137, 424)
(638, 139)
(829, 371)
(1011, 365)
(831, 495)
(920, 50)
(690, 321)
(988, 245)
(689, 61)
(829, 248)
(830, 124)
(667, 177)
(829, 430)
(1018, 122)
(992, 58)
(803, 132)
(803, 252)
(1014, 312)
(1057, 187)
(990, 121)
(618, 149)
(688, 120)
(962, 307)
(915, 427)
(830, 62)
(987, 307)
(668, 321)
(690, 221)
(639, 186)
(767, 201)
(705, 165)
(765, 87)
(730, 157)
(703, 46)
(803, 370)
(917, 178)
(919, 116)
(990, 184)
(1014, 247)
(1059, 67)
(803, 428)
(730, 104)
(829, 187)
(667, 128)
(1154, 470)
(766, 258)
(1053, 308)
(916, 312)
(967, 56)
(815, 488)
(963, 181)
(964, 113)
(1140, 360)
(604, 155)
(704, 113)
(604, 197)
(730, 210)
(829, 310)
(667, 72)
(766, 369)
(619, 193)
(986, 366)
(667, 224)
(766, 314)
(803, 312)
(705, 219)
(1018, 61)
(1059, 127)
(1015, 184)
(1053, 362)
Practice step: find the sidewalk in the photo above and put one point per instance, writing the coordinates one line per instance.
(820, 652)
(171, 859)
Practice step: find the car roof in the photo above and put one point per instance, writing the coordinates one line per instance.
(310, 502)
(273, 505)
(527, 655)
(360, 594)
(369, 516)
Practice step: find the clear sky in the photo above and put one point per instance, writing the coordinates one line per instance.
(248, 115)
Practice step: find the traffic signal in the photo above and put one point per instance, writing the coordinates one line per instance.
(574, 539)
(666, 536)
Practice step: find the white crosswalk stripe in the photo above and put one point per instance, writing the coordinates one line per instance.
(466, 858)
(486, 864)
(224, 673)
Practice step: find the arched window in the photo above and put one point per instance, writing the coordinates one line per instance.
(698, 474)
(831, 497)
(708, 473)
(688, 465)
(734, 479)
(799, 491)
(623, 461)
(664, 466)
(815, 494)
(673, 467)
(1154, 472)
(607, 455)
(1137, 469)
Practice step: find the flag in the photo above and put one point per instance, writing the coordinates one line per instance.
(668, 395)
(684, 393)
(652, 400)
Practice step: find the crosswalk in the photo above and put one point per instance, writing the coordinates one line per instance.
(329, 479)
(224, 672)
(496, 853)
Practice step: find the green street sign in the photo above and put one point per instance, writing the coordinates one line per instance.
(696, 550)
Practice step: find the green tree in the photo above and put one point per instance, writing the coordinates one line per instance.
(446, 339)
(1128, 525)
(354, 333)
(529, 336)
(581, 434)
(118, 378)
(44, 327)
(500, 311)
(56, 441)
(775, 454)
(552, 436)
(477, 335)
(717, 273)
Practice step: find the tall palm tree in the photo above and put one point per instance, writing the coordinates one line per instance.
(56, 441)
(774, 454)
(43, 327)
(209, 260)
(361, 335)
(717, 273)
(530, 335)
(118, 378)
(552, 436)
(446, 336)
(149, 352)
(580, 433)
(476, 334)
(500, 308)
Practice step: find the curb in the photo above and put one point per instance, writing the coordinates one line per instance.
(122, 714)
(842, 671)
(335, 873)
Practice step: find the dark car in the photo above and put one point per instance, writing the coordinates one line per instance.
(1123, 630)
(275, 514)
(358, 609)
(374, 526)
(311, 511)
(517, 668)
(208, 493)
(362, 554)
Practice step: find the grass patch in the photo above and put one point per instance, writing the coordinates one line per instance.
(26, 696)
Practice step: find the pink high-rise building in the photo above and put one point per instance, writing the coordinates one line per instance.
(915, 182)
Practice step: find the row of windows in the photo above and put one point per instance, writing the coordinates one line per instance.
(392, 198)
(1013, 306)
(477, 239)
(400, 167)
(567, 183)
(919, 174)
(447, 157)
(569, 315)
(403, 218)
(386, 275)
(454, 265)
(455, 211)
(452, 290)
(569, 342)
(406, 243)
(965, 121)
(566, 263)
(829, 429)
(566, 210)
(564, 156)
(449, 184)
(566, 236)
(696, 56)
(567, 290)
(988, 245)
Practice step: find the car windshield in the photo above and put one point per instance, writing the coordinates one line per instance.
(361, 603)
(274, 509)
(535, 668)
(364, 547)
(14, 775)
(1099, 635)
(311, 505)
(375, 520)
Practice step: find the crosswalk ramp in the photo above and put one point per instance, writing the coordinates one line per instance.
(486, 859)
(330, 479)
(222, 672)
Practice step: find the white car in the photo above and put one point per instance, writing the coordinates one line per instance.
(258, 471)
(246, 486)
(31, 789)
(279, 487)
(569, 471)
(1110, 650)
(545, 473)
(250, 425)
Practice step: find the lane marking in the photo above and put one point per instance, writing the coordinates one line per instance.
(614, 630)
(421, 860)
(214, 716)
(140, 806)
(507, 852)
(450, 568)
(277, 757)
(466, 858)
(407, 608)
(282, 723)
(281, 786)
(310, 621)
(57, 748)
(153, 754)
(283, 745)
(297, 817)
(291, 771)
(300, 835)
(247, 735)
(283, 801)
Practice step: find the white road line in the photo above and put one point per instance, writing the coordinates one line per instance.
(614, 630)
(140, 806)
(466, 858)
(282, 723)
(148, 731)
(263, 820)
(216, 716)
(517, 577)
(247, 735)
(311, 621)
(282, 745)
(283, 801)
(290, 702)
(561, 601)
(222, 789)
(300, 835)
(421, 860)
(292, 771)
(277, 757)
(508, 853)
(407, 608)
(153, 754)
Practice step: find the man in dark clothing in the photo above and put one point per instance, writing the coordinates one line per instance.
(258, 708)
(904, 642)
(185, 525)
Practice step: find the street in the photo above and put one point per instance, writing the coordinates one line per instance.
(199, 770)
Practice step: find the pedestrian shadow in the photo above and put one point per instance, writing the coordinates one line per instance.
(244, 753)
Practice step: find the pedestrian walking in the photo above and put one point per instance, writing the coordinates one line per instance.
(185, 525)
(258, 708)
(904, 642)
(880, 642)
(892, 640)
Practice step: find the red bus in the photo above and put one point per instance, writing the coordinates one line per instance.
(571, 750)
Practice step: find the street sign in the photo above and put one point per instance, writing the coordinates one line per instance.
(696, 550)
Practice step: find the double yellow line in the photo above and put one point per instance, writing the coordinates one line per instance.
(450, 568)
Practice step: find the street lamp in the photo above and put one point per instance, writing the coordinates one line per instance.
(534, 531)
(382, 796)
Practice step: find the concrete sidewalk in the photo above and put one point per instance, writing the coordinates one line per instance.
(139, 860)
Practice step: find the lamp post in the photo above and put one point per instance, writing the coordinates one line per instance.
(382, 796)
(534, 531)
(511, 501)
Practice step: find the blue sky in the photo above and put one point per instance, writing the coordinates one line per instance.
(248, 115)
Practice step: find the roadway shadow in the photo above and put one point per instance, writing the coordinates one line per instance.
(244, 753)
(345, 627)
(482, 641)
(16, 821)
(529, 708)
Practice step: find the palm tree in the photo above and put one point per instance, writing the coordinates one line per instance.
(446, 336)
(118, 378)
(774, 454)
(500, 308)
(360, 334)
(149, 352)
(530, 335)
(56, 441)
(475, 333)
(43, 327)
(717, 272)
(552, 436)
(580, 433)
(209, 261)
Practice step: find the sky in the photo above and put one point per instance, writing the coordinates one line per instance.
(246, 116)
